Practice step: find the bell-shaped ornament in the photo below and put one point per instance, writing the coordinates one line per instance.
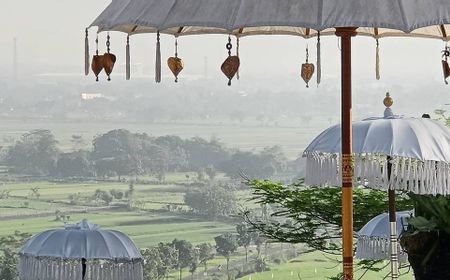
(108, 63)
(307, 72)
(230, 67)
(446, 70)
(176, 65)
(97, 65)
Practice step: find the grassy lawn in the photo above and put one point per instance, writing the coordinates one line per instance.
(316, 266)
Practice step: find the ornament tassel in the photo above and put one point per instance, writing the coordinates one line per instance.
(237, 54)
(319, 60)
(128, 58)
(86, 53)
(158, 59)
(377, 61)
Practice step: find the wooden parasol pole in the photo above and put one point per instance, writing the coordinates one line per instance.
(346, 34)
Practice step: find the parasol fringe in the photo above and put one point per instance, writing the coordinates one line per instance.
(128, 58)
(377, 248)
(158, 59)
(377, 61)
(319, 61)
(370, 170)
(47, 268)
(86, 54)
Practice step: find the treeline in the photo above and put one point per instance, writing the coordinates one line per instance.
(182, 255)
(122, 153)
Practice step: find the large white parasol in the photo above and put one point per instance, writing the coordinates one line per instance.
(306, 18)
(416, 150)
(81, 251)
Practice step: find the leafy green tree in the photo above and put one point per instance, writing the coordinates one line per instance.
(244, 237)
(75, 164)
(206, 253)
(152, 264)
(226, 245)
(101, 195)
(119, 152)
(250, 165)
(312, 216)
(177, 156)
(185, 254)
(169, 257)
(212, 201)
(9, 259)
(302, 213)
(35, 153)
(202, 153)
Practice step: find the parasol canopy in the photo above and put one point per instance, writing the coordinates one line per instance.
(417, 147)
(383, 18)
(78, 250)
(373, 239)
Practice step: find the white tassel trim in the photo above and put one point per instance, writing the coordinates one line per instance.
(370, 170)
(377, 248)
(42, 268)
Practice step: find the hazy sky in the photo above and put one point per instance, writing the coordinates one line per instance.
(50, 33)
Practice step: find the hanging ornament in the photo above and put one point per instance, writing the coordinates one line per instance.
(108, 59)
(237, 54)
(86, 53)
(319, 61)
(231, 65)
(445, 67)
(127, 60)
(175, 63)
(158, 59)
(97, 61)
(307, 69)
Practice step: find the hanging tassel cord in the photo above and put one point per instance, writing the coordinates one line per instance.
(377, 61)
(319, 62)
(158, 59)
(237, 54)
(86, 53)
(108, 49)
(128, 58)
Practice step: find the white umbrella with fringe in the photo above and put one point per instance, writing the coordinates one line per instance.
(374, 237)
(80, 251)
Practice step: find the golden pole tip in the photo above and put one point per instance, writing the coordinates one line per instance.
(388, 101)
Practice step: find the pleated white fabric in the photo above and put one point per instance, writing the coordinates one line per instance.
(417, 147)
(378, 19)
(58, 254)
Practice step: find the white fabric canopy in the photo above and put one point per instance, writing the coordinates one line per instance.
(417, 138)
(381, 18)
(80, 251)
(373, 239)
(418, 147)
(83, 241)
